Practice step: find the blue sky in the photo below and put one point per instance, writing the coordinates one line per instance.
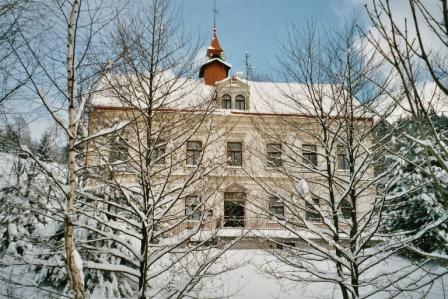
(243, 25)
(256, 25)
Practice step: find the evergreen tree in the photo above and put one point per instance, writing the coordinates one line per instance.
(31, 227)
(44, 151)
(17, 133)
(2, 140)
(415, 200)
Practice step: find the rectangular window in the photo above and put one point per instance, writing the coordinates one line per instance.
(346, 209)
(343, 162)
(309, 154)
(234, 154)
(311, 213)
(158, 152)
(192, 207)
(274, 154)
(194, 149)
(118, 149)
(276, 207)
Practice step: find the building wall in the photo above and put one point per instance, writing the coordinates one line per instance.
(216, 129)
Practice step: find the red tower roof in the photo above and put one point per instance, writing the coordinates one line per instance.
(215, 48)
(215, 69)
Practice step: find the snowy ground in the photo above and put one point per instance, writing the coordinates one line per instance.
(248, 281)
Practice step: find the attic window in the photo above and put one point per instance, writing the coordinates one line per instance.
(240, 102)
(226, 102)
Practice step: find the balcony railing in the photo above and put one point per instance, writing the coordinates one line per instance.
(230, 223)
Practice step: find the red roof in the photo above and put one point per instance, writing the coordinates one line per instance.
(215, 47)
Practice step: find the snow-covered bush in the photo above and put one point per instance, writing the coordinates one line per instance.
(31, 230)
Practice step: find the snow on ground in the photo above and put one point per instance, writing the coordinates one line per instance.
(248, 281)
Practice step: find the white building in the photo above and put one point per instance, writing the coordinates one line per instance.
(253, 142)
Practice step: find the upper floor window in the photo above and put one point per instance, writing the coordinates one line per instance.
(240, 102)
(158, 152)
(274, 154)
(346, 208)
(226, 102)
(118, 149)
(276, 207)
(234, 154)
(309, 154)
(311, 212)
(193, 152)
(342, 159)
(192, 207)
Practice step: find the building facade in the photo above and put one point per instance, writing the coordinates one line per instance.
(247, 146)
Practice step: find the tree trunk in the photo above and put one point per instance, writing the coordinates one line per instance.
(73, 272)
(143, 264)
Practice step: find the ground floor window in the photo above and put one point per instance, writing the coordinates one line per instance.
(192, 207)
(234, 211)
(276, 207)
(311, 213)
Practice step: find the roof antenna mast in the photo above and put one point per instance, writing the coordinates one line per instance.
(249, 67)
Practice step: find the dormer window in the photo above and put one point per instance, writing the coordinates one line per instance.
(240, 102)
(226, 102)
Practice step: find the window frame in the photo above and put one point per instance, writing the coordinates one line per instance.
(311, 213)
(226, 98)
(309, 153)
(346, 209)
(193, 209)
(275, 203)
(158, 151)
(231, 153)
(238, 100)
(118, 150)
(341, 158)
(271, 160)
(193, 154)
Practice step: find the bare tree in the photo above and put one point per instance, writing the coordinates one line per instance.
(158, 162)
(329, 197)
(64, 95)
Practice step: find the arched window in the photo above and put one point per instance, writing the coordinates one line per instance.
(226, 102)
(240, 102)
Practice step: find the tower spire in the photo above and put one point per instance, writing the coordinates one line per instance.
(215, 12)
(216, 68)
(214, 50)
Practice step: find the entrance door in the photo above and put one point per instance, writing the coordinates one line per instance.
(233, 214)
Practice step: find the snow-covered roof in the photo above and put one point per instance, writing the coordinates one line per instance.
(433, 99)
(216, 59)
(265, 97)
(171, 92)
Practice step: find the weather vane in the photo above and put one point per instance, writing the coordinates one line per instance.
(215, 12)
